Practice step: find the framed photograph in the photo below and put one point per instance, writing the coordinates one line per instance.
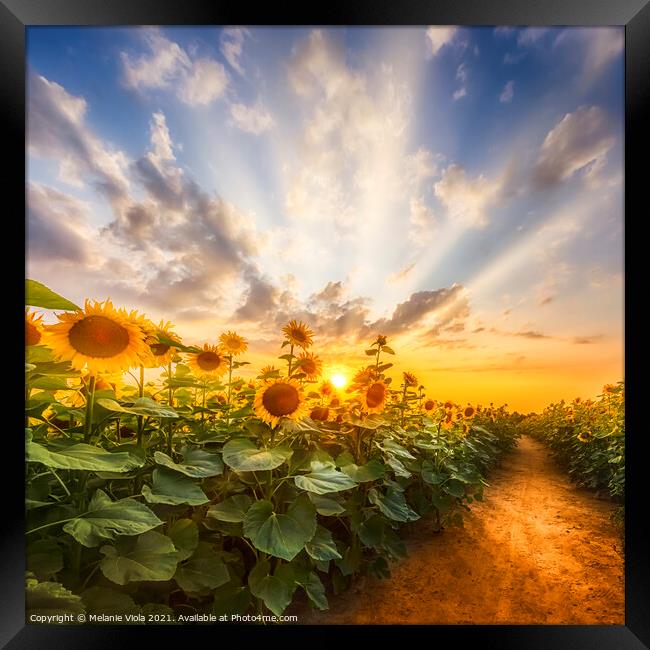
(325, 322)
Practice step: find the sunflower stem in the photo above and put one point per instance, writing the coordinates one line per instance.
(171, 405)
(90, 403)
(140, 417)
(290, 360)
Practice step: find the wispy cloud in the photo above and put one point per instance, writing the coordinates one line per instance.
(507, 93)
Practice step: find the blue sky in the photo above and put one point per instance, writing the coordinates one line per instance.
(459, 189)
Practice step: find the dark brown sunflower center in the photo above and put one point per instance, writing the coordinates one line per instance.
(375, 395)
(309, 367)
(428, 405)
(208, 361)
(298, 335)
(469, 411)
(32, 335)
(98, 336)
(158, 349)
(281, 399)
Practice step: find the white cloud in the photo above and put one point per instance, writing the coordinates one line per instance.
(164, 64)
(507, 93)
(422, 221)
(197, 82)
(461, 76)
(466, 199)
(206, 82)
(57, 129)
(579, 139)
(421, 165)
(438, 37)
(531, 35)
(503, 30)
(232, 45)
(252, 119)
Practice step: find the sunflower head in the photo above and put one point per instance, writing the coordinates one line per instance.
(469, 412)
(160, 354)
(365, 376)
(448, 420)
(381, 340)
(33, 328)
(373, 397)
(268, 372)
(310, 364)
(233, 344)
(98, 338)
(208, 362)
(326, 388)
(410, 379)
(297, 333)
(280, 398)
(335, 403)
(429, 405)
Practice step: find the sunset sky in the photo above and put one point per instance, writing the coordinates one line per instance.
(459, 190)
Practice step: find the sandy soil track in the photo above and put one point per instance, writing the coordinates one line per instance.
(537, 550)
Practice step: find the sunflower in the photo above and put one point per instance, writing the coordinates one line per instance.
(160, 353)
(298, 333)
(410, 379)
(326, 388)
(335, 403)
(211, 361)
(373, 398)
(233, 344)
(465, 428)
(310, 364)
(365, 376)
(429, 405)
(448, 405)
(280, 398)
(33, 328)
(469, 412)
(448, 421)
(98, 338)
(268, 372)
(381, 340)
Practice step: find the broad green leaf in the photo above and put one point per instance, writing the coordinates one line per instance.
(38, 295)
(50, 598)
(388, 349)
(350, 561)
(174, 489)
(393, 505)
(321, 546)
(455, 488)
(326, 506)
(196, 463)
(281, 535)
(371, 471)
(203, 571)
(44, 558)
(242, 455)
(274, 592)
(398, 467)
(185, 535)
(152, 557)
(314, 589)
(231, 599)
(49, 383)
(142, 406)
(231, 509)
(106, 519)
(102, 600)
(397, 450)
(324, 478)
(81, 456)
(371, 531)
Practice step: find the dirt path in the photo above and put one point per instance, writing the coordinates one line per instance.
(537, 550)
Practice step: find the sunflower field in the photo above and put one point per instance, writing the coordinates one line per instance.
(587, 438)
(204, 493)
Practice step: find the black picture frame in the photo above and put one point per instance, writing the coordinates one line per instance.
(16, 15)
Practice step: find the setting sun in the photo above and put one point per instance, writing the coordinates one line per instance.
(339, 380)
